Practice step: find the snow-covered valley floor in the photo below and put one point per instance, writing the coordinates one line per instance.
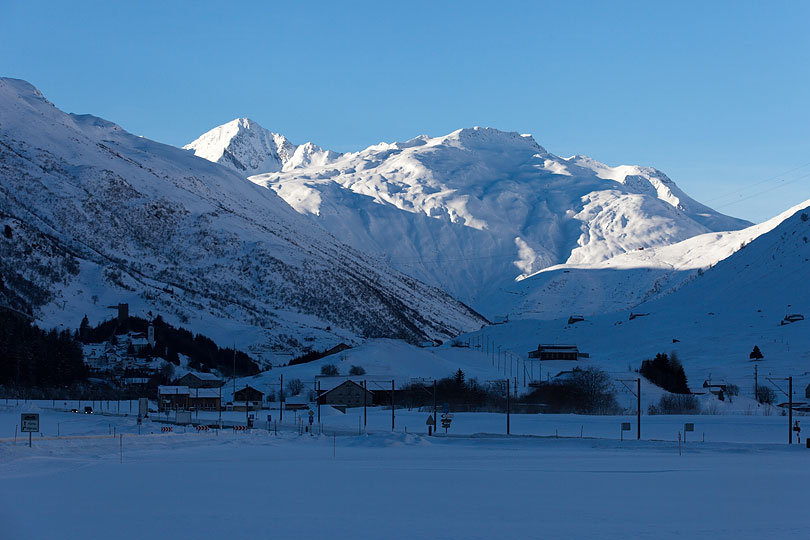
(384, 485)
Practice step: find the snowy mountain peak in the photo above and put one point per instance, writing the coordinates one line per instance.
(95, 216)
(21, 89)
(476, 138)
(473, 210)
(243, 145)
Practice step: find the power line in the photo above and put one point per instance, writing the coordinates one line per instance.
(754, 184)
(757, 194)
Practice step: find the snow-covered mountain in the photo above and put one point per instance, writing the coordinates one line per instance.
(712, 320)
(626, 280)
(472, 211)
(246, 147)
(93, 216)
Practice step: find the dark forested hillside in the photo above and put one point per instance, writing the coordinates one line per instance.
(34, 358)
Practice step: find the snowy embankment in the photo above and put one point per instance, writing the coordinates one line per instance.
(204, 485)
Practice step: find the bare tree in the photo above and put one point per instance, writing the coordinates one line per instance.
(294, 386)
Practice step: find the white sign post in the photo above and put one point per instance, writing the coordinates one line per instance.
(686, 428)
(29, 423)
(625, 427)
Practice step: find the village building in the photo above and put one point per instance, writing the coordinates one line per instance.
(248, 396)
(172, 398)
(296, 403)
(718, 389)
(138, 342)
(200, 380)
(183, 398)
(556, 352)
(204, 399)
(348, 393)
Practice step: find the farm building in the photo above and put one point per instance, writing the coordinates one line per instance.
(347, 393)
(555, 352)
(249, 395)
(204, 399)
(172, 398)
(200, 380)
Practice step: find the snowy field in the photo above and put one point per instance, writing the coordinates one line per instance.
(384, 485)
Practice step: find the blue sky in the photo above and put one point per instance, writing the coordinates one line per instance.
(715, 94)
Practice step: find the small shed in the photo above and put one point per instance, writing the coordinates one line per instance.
(718, 389)
(296, 403)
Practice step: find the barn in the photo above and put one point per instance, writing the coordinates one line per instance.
(348, 393)
(555, 352)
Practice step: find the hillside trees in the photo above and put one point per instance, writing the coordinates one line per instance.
(666, 372)
(34, 358)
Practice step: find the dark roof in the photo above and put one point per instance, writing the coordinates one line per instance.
(344, 383)
(248, 388)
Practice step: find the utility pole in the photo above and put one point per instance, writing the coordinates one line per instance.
(281, 401)
(365, 404)
(434, 404)
(233, 371)
(392, 404)
(318, 397)
(638, 391)
(789, 395)
(507, 408)
(756, 384)
(790, 410)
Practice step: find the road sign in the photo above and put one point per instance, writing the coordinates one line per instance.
(625, 426)
(689, 427)
(447, 418)
(143, 407)
(446, 408)
(429, 421)
(29, 422)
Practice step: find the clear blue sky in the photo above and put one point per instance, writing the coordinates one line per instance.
(715, 94)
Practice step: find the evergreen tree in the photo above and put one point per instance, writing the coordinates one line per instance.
(666, 372)
(84, 329)
(458, 378)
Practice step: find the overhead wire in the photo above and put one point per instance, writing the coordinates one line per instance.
(748, 187)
